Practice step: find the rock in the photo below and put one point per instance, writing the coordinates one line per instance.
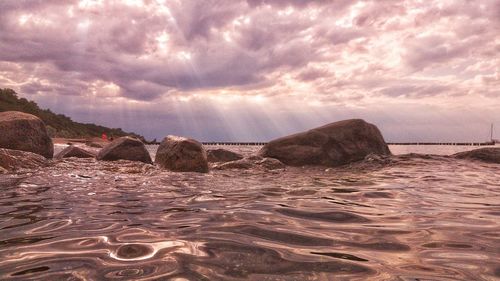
(252, 163)
(26, 132)
(271, 164)
(125, 148)
(334, 144)
(181, 154)
(94, 144)
(487, 154)
(378, 158)
(222, 155)
(74, 151)
(242, 164)
(11, 160)
(255, 157)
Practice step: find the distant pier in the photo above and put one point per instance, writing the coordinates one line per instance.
(443, 143)
(389, 143)
(234, 143)
(221, 143)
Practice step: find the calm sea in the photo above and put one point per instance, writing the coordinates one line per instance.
(418, 218)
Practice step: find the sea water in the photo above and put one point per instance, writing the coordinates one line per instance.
(416, 218)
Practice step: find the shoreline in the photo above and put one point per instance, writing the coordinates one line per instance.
(79, 140)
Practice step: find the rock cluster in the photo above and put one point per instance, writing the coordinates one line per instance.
(334, 144)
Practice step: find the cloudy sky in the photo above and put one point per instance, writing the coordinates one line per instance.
(422, 70)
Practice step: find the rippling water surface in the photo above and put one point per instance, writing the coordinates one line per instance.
(417, 218)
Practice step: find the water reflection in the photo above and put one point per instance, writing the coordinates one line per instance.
(429, 218)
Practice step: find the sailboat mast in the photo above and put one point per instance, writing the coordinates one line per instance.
(491, 133)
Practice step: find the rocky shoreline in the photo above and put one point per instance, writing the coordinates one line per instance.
(25, 144)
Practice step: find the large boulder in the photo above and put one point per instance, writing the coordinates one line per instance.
(182, 155)
(74, 151)
(222, 155)
(26, 132)
(334, 144)
(486, 154)
(11, 160)
(125, 148)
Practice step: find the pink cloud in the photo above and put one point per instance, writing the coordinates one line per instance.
(322, 52)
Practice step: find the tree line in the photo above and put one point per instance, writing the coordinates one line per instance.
(58, 125)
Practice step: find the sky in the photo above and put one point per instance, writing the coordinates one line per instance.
(254, 70)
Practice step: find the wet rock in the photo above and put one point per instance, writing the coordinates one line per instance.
(417, 156)
(242, 164)
(271, 164)
(222, 155)
(26, 132)
(487, 154)
(12, 160)
(255, 157)
(94, 144)
(378, 159)
(181, 154)
(74, 151)
(251, 163)
(125, 148)
(334, 144)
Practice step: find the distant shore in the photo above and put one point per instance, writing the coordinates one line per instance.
(79, 140)
(224, 143)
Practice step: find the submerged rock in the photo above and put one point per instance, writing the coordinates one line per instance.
(334, 144)
(181, 154)
(74, 151)
(26, 132)
(251, 163)
(255, 157)
(242, 164)
(271, 164)
(11, 160)
(222, 155)
(487, 154)
(125, 148)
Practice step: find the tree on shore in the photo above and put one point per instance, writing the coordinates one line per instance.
(58, 125)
